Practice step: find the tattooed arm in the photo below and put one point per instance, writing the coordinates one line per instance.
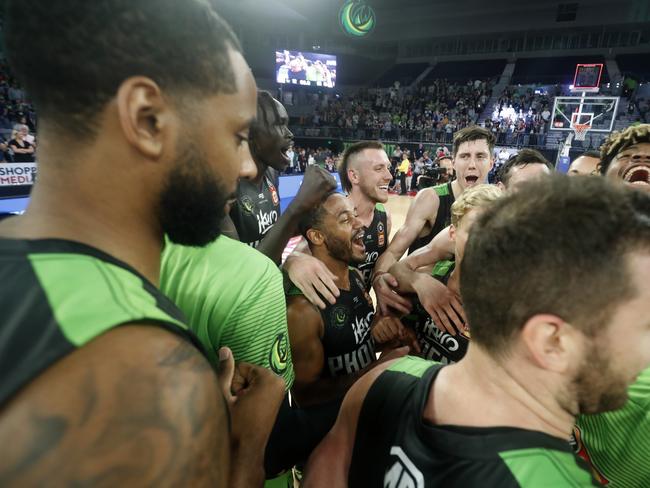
(137, 406)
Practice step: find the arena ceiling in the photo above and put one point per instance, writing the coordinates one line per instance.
(420, 19)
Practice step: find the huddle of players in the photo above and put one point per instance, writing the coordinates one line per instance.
(82, 398)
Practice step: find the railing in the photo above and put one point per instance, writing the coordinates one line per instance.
(406, 135)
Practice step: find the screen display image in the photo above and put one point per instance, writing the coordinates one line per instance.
(305, 69)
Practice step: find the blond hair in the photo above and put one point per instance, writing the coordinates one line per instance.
(618, 142)
(476, 196)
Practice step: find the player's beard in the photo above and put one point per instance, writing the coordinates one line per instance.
(340, 249)
(598, 386)
(193, 201)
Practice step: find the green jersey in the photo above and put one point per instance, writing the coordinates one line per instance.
(58, 295)
(617, 443)
(232, 296)
(395, 447)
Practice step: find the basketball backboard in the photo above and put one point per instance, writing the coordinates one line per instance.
(597, 112)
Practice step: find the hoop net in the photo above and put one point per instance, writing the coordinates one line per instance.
(580, 131)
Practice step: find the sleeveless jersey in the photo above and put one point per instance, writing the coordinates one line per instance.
(256, 208)
(395, 447)
(617, 444)
(437, 345)
(443, 219)
(347, 343)
(57, 295)
(376, 241)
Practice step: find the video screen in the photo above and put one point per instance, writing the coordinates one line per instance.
(305, 69)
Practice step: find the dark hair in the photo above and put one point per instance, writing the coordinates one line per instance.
(350, 151)
(523, 158)
(619, 141)
(314, 217)
(556, 236)
(473, 133)
(72, 55)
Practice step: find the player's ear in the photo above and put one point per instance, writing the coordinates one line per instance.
(551, 342)
(316, 237)
(452, 232)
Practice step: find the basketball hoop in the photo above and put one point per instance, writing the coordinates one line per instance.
(580, 131)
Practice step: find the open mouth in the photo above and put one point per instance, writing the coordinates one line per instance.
(383, 188)
(285, 149)
(637, 175)
(357, 241)
(471, 179)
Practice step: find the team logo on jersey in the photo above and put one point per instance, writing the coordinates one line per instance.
(381, 236)
(581, 450)
(274, 195)
(247, 204)
(403, 473)
(279, 355)
(339, 316)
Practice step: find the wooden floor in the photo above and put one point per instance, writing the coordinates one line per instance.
(398, 206)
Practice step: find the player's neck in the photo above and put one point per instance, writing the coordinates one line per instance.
(508, 395)
(261, 170)
(339, 268)
(364, 206)
(456, 189)
(68, 206)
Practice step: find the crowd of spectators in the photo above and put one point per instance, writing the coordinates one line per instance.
(521, 116)
(17, 119)
(301, 157)
(428, 112)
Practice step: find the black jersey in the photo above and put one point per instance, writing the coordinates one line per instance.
(347, 343)
(376, 241)
(443, 218)
(257, 208)
(57, 295)
(395, 446)
(437, 344)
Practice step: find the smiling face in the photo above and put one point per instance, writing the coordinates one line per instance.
(340, 231)
(270, 134)
(632, 166)
(473, 162)
(369, 171)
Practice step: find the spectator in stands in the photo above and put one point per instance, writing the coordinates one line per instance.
(23, 151)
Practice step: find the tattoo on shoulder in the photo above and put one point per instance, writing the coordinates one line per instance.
(144, 426)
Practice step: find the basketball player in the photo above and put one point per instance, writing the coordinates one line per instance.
(626, 156)
(616, 444)
(429, 213)
(332, 347)
(526, 165)
(436, 343)
(586, 164)
(501, 416)
(364, 171)
(255, 214)
(100, 383)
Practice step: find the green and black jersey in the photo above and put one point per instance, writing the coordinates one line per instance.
(396, 447)
(443, 218)
(376, 241)
(437, 344)
(257, 208)
(57, 295)
(348, 345)
(617, 444)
